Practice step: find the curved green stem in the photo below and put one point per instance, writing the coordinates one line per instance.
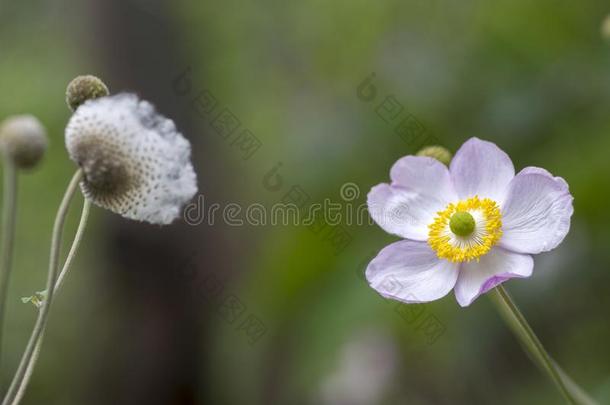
(9, 208)
(572, 393)
(43, 315)
(75, 244)
(58, 283)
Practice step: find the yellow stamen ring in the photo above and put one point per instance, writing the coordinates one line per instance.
(460, 248)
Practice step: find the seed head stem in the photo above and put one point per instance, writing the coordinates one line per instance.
(43, 315)
(71, 254)
(9, 213)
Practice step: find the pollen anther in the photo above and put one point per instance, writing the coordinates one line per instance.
(466, 230)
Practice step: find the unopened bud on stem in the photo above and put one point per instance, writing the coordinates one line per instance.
(83, 88)
(437, 152)
(23, 140)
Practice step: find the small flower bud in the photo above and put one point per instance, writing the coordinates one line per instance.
(83, 88)
(23, 139)
(606, 28)
(437, 152)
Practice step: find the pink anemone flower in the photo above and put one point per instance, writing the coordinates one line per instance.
(468, 227)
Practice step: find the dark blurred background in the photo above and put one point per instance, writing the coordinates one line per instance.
(225, 314)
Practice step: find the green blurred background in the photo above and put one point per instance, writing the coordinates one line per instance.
(142, 317)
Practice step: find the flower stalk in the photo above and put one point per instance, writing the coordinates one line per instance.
(43, 315)
(9, 211)
(571, 392)
(78, 237)
(58, 283)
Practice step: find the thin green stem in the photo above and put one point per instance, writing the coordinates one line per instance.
(572, 393)
(28, 372)
(43, 315)
(58, 283)
(75, 244)
(9, 214)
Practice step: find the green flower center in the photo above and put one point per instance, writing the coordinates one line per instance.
(462, 223)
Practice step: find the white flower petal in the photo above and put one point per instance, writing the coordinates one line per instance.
(410, 272)
(481, 168)
(536, 213)
(497, 266)
(421, 187)
(135, 161)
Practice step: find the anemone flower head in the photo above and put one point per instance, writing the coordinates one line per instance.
(135, 162)
(468, 227)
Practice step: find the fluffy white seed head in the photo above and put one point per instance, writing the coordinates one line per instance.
(23, 139)
(135, 162)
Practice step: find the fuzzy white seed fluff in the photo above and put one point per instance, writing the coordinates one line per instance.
(135, 162)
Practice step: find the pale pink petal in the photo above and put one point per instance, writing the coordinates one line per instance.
(536, 213)
(420, 187)
(410, 272)
(481, 168)
(497, 266)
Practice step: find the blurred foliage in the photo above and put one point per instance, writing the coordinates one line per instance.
(534, 77)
